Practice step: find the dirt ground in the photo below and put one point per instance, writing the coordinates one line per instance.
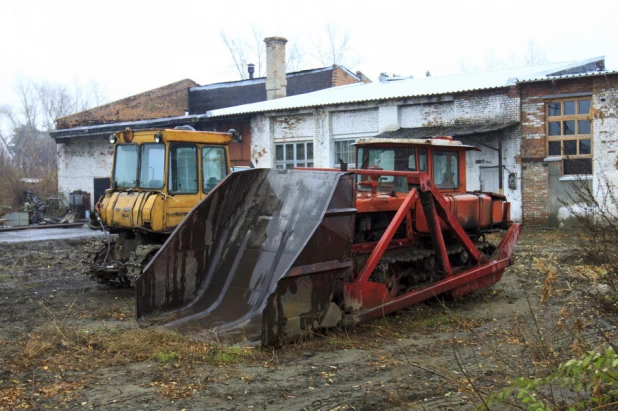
(66, 342)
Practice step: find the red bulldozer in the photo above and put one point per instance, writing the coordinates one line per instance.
(273, 255)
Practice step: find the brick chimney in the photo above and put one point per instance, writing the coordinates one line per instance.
(276, 82)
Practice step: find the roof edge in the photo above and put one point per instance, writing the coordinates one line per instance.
(103, 129)
(570, 76)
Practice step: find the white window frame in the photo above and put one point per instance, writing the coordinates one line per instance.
(294, 162)
(351, 153)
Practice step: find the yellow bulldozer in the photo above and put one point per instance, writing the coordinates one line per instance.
(158, 176)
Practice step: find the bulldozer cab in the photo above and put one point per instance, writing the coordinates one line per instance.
(158, 176)
(443, 159)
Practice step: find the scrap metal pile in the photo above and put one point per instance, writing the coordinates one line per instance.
(37, 213)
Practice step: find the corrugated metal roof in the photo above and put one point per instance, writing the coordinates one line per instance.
(566, 76)
(453, 130)
(425, 86)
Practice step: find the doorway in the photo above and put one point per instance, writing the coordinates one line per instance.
(490, 179)
(100, 185)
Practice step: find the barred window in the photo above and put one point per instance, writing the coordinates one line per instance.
(569, 134)
(290, 155)
(344, 150)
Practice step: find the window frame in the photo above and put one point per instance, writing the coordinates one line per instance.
(203, 168)
(115, 164)
(308, 162)
(576, 136)
(454, 176)
(351, 154)
(142, 147)
(170, 180)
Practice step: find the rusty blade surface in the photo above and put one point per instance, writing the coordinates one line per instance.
(222, 262)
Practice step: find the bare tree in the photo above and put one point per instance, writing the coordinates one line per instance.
(55, 101)
(239, 51)
(245, 51)
(26, 149)
(466, 67)
(259, 51)
(28, 104)
(534, 54)
(334, 48)
(253, 51)
(7, 124)
(491, 61)
(294, 56)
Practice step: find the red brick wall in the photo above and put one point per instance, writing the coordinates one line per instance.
(535, 189)
(342, 77)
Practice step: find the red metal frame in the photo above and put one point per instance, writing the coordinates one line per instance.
(371, 299)
(378, 251)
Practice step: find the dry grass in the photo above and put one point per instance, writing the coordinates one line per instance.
(83, 350)
(63, 357)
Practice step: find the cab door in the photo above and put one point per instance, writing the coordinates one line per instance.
(183, 183)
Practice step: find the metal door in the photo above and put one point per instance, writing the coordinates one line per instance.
(100, 185)
(490, 179)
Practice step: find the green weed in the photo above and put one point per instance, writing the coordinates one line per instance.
(165, 357)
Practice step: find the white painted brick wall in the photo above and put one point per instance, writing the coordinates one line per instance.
(388, 118)
(298, 127)
(497, 107)
(354, 123)
(323, 146)
(423, 115)
(605, 140)
(82, 160)
(324, 125)
(261, 143)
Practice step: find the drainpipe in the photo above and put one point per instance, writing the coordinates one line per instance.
(500, 167)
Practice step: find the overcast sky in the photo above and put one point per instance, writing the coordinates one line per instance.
(133, 46)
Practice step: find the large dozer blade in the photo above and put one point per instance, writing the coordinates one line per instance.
(221, 270)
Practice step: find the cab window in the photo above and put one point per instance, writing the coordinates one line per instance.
(446, 169)
(125, 165)
(422, 159)
(183, 169)
(214, 166)
(152, 164)
(391, 159)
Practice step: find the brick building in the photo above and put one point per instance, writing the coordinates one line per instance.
(540, 129)
(483, 109)
(569, 137)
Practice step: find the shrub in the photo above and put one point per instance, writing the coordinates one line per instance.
(591, 381)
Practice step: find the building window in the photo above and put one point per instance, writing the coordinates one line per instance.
(569, 134)
(290, 155)
(344, 150)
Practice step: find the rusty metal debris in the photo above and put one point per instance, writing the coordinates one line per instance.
(36, 213)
